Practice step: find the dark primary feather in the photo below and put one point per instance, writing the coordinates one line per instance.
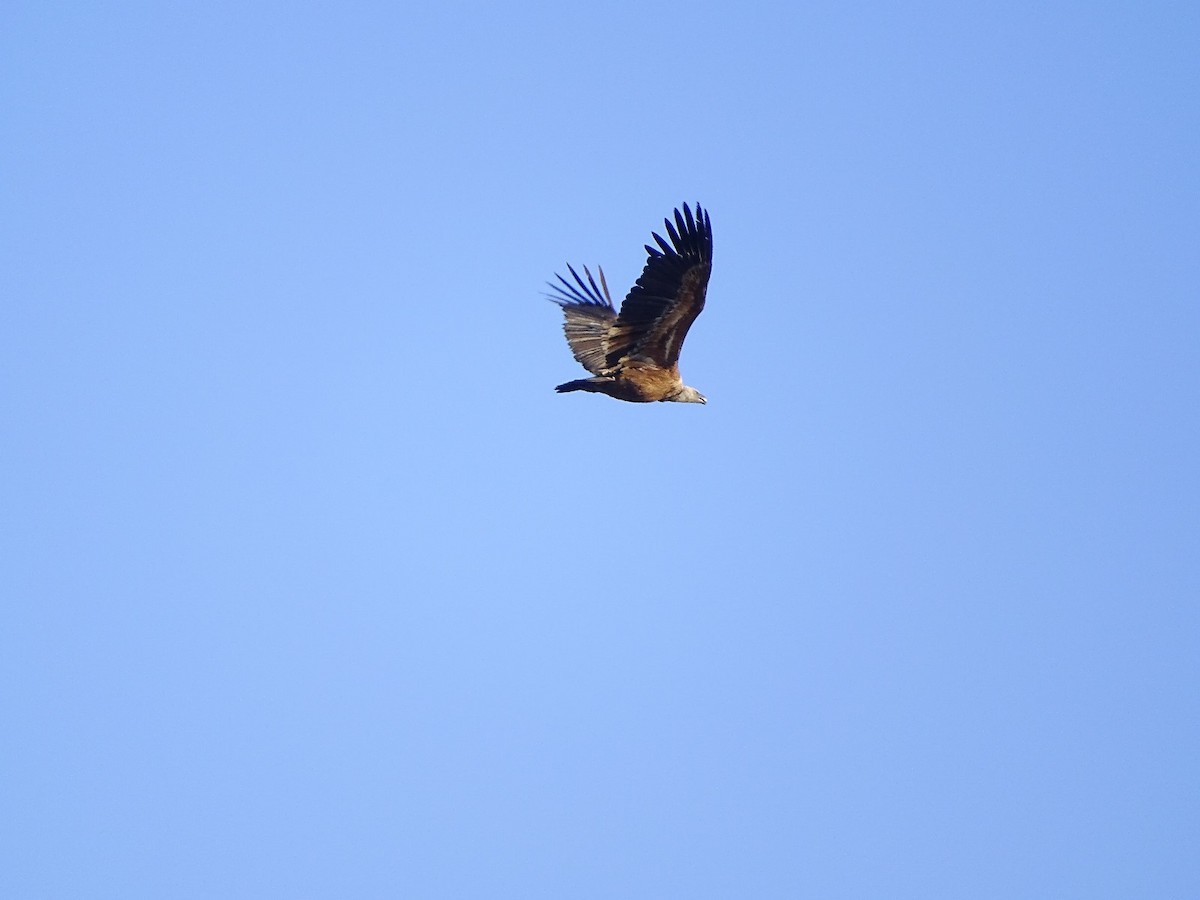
(587, 294)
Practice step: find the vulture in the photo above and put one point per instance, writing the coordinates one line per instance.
(634, 355)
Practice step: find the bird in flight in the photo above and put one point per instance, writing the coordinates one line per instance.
(634, 355)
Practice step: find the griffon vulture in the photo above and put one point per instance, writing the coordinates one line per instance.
(635, 355)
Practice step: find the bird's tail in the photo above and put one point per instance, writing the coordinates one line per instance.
(595, 385)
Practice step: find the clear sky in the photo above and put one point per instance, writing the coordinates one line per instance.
(313, 587)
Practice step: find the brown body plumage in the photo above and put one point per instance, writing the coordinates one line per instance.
(634, 356)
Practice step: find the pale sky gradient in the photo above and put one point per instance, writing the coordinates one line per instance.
(315, 588)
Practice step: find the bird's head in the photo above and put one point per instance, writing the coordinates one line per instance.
(689, 395)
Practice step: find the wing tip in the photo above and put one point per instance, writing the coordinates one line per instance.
(586, 294)
(691, 235)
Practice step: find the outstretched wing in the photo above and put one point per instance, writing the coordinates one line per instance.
(669, 295)
(588, 317)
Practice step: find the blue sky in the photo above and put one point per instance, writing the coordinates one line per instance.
(315, 588)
